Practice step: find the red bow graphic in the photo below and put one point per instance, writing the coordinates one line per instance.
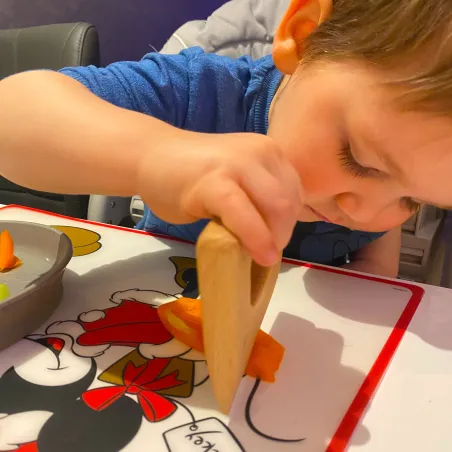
(143, 381)
(28, 447)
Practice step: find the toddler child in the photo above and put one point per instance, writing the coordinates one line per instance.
(322, 150)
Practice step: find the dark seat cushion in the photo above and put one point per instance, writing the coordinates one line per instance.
(48, 47)
(70, 205)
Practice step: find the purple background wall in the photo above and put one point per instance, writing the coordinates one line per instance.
(127, 28)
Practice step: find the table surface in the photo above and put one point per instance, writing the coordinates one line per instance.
(412, 407)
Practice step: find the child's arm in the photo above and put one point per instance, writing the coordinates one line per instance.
(380, 257)
(56, 136)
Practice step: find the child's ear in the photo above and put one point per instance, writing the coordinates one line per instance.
(302, 17)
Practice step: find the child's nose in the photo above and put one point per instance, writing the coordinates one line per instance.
(361, 210)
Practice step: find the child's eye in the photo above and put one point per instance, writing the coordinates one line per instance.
(410, 204)
(351, 165)
(348, 161)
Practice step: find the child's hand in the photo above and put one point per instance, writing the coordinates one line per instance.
(241, 179)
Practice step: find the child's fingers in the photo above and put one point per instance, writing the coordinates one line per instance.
(241, 217)
(276, 198)
(224, 199)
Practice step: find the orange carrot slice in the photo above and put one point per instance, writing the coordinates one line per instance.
(183, 319)
(266, 358)
(7, 258)
(6, 250)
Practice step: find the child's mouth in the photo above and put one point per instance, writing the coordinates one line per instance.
(318, 214)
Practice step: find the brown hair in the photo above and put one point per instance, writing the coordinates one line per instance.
(393, 34)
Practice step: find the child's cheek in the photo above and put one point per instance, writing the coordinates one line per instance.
(390, 219)
(321, 177)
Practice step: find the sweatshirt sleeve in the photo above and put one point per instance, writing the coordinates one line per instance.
(157, 85)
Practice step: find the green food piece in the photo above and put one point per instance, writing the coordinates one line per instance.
(4, 292)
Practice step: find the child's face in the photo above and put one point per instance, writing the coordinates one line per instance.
(395, 158)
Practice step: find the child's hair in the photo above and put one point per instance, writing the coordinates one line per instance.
(412, 36)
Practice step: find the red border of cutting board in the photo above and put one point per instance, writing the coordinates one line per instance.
(356, 409)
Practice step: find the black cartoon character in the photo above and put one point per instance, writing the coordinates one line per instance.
(43, 393)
